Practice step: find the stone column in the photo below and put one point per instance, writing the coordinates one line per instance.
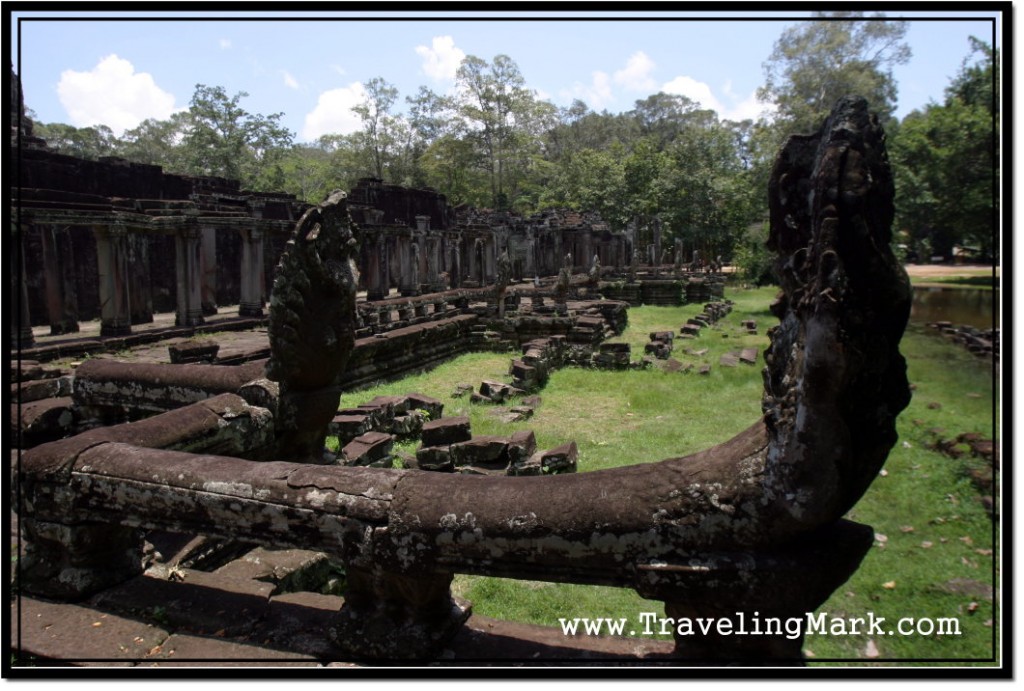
(377, 279)
(250, 303)
(454, 267)
(407, 249)
(208, 262)
(397, 616)
(139, 278)
(188, 252)
(657, 247)
(58, 262)
(112, 261)
(71, 562)
(433, 279)
(21, 326)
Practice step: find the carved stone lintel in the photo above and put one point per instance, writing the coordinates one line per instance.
(397, 616)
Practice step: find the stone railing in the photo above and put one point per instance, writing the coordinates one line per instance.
(752, 527)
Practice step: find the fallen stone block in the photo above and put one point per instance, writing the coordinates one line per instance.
(289, 570)
(561, 459)
(42, 421)
(348, 427)
(431, 406)
(461, 390)
(729, 360)
(435, 458)
(370, 449)
(483, 451)
(749, 356)
(446, 431)
(38, 389)
(705, 370)
(193, 352)
(409, 424)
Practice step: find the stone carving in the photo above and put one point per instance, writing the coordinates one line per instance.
(751, 525)
(503, 281)
(594, 275)
(312, 326)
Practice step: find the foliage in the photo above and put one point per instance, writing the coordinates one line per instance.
(946, 157)
(223, 140)
(492, 142)
(815, 63)
(84, 142)
(755, 263)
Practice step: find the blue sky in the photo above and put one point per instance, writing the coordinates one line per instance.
(116, 72)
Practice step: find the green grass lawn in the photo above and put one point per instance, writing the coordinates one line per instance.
(934, 552)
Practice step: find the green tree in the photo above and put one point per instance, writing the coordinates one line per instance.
(224, 140)
(84, 142)
(384, 135)
(946, 161)
(500, 114)
(157, 142)
(815, 63)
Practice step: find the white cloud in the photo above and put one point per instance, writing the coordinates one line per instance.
(636, 75)
(442, 59)
(113, 94)
(333, 113)
(694, 90)
(750, 108)
(289, 80)
(225, 43)
(596, 95)
(740, 108)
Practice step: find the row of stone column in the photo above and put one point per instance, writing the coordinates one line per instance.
(123, 263)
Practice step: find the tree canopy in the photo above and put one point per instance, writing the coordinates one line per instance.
(493, 143)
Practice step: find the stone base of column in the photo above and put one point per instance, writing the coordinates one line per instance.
(394, 616)
(251, 310)
(190, 318)
(72, 562)
(65, 326)
(110, 329)
(757, 603)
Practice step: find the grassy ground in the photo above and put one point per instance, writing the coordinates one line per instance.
(934, 551)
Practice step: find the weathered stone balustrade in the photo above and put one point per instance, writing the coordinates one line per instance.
(408, 532)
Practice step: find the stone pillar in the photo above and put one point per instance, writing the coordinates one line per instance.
(433, 279)
(58, 262)
(112, 261)
(188, 253)
(656, 259)
(139, 278)
(71, 562)
(530, 260)
(208, 262)
(21, 326)
(408, 272)
(392, 615)
(377, 279)
(490, 269)
(454, 267)
(250, 303)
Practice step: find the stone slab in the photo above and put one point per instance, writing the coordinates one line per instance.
(81, 635)
(201, 603)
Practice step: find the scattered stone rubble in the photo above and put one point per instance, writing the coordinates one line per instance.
(713, 311)
(448, 445)
(980, 342)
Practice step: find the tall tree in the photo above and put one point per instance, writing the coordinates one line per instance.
(224, 140)
(946, 160)
(383, 133)
(83, 142)
(815, 63)
(493, 99)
